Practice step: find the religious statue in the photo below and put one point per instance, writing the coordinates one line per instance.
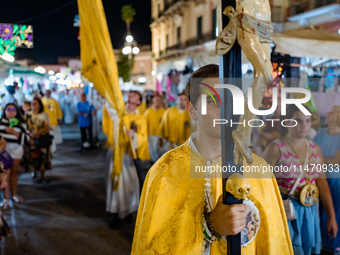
(251, 25)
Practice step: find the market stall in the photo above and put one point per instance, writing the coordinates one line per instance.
(319, 51)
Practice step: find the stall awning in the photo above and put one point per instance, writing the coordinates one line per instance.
(308, 42)
(18, 70)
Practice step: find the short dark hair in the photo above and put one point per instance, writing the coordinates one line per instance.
(27, 103)
(18, 116)
(208, 71)
(290, 110)
(182, 94)
(156, 95)
(41, 105)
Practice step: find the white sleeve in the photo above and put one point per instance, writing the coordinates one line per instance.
(112, 112)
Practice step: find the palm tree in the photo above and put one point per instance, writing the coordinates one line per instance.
(128, 14)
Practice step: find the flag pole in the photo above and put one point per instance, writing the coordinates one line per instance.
(230, 72)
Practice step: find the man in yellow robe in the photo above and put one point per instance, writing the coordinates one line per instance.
(175, 125)
(153, 117)
(124, 201)
(171, 217)
(52, 107)
(142, 107)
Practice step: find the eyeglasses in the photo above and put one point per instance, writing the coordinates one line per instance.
(11, 109)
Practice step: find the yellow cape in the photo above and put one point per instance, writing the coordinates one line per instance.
(171, 209)
(52, 107)
(175, 126)
(115, 130)
(142, 135)
(153, 120)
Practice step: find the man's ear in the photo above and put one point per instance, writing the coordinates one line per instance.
(191, 110)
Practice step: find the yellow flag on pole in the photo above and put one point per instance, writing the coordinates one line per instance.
(99, 65)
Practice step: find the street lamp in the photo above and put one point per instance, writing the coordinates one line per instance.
(129, 38)
(130, 48)
(126, 50)
(135, 50)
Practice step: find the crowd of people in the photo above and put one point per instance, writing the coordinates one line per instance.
(151, 127)
(29, 135)
(30, 132)
(169, 135)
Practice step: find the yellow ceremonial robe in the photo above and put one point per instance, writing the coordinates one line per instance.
(171, 210)
(153, 120)
(108, 127)
(52, 107)
(142, 135)
(175, 126)
(142, 107)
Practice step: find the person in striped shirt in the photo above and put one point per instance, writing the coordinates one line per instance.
(295, 152)
(14, 130)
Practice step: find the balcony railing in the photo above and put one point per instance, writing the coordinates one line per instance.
(178, 46)
(198, 41)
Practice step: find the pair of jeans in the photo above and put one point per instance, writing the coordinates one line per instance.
(84, 131)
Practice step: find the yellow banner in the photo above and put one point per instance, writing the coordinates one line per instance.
(99, 65)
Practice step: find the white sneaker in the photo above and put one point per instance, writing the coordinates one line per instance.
(86, 144)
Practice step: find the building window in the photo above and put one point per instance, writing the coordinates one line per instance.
(141, 66)
(167, 40)
(214, 24)
(179, 35)
(199, 27)
(159, 47)
(159, 9)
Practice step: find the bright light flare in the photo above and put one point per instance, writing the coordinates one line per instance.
(129, 38)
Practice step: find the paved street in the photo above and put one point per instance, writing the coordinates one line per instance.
(66, 216)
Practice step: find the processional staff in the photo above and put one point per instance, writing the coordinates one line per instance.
(255, 37)
(231, 73)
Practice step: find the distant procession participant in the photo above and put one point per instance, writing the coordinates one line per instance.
(123, 186)
(55, 114)
(153, 117)
(175, 124)
(19, 95)
(9, 95)
(85, 112)
(67, 101)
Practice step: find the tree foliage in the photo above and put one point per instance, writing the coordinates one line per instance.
(128, 13)
(124, 67)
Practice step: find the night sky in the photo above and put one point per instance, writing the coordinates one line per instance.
(54, 34)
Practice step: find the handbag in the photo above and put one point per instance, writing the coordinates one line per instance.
(43, 141)
(287, 203)
(6, 160)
